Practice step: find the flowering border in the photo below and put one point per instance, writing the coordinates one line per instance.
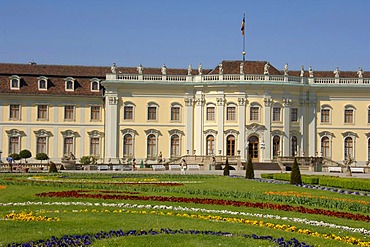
(209, 201)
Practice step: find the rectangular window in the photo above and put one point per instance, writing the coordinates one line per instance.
(69, 112)
(175, 113)
(42, 112)
(94, 146)
(254, 113)
(152, 113)
(14, 112)
(95, 113)
(325, 115)
(68, 145)
(294, 115)
(128, 112)
(276, 114)
(230, 113)
(41, 145)
(210, 113)
(368, 115)
(348, 116)
(13, 145)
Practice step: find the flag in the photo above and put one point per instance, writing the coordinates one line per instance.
(243, 23)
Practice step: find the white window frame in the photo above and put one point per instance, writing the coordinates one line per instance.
(353, 109)
(67, 80)
(19, 112)
(44, 134)
(326, 108)
(39, 80)
(154, 105)
(74, 113)
(38, 110)
(228, 106)
(255, 105)
(176, 105)
(16, 79)
(95, 135)
(279, 120)
(91, 113)
(211, 105)
(93, 81)
(128, 104)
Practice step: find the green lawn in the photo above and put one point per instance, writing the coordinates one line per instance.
(283, 210)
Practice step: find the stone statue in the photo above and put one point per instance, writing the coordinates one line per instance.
(266, 69)
(336, 72)
(140, 69)
(241, 68)
(220, 69)
(286, 70)
(200, 69)
(190, 69)
(114, 68)
(310, 71)
(164, 69)
(360, 73)
(159, 160)
(302, 71)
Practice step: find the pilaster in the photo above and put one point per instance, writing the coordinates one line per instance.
(268, 103)
(111, 127)
(199, 122)
(286, 126)
(220, 123)
(312, 126)
(242, 122)
(189, 118)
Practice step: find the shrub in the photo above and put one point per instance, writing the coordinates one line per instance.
(267, 175)
(88, 160)
(15, 156)
(42, 156)
(52, 167)
(227, 168)
(295, 175)
(25, 154)
(249, 174)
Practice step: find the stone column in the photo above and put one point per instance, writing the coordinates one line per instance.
(286, 126)
(242, 121)
(189, 119)
(312, 126)
(267, 132)
(303, 127)
(198, 122)
(220, 125)
(111, 128)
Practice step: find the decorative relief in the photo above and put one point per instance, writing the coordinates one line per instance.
(220, 101)
(189, 101)
(112, 100)
(287, 102)
(268, 101)
(200, 101)
(210, 131)
(242, 101)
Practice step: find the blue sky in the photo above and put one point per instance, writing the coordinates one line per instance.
(318, 33)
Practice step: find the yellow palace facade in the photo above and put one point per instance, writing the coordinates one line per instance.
(235, 109)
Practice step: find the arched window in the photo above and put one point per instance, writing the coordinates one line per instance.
(127, 145)
(230, 140)
(210, 145)
(348, 148)
(276, 146)
(175, 146)
(368, 149)
(325, 146)
(294, 145)
(151, 146)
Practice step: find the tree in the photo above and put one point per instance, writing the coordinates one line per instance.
(227, 168)
(249, 173)
(42, 156)
(15, 156)
(25, 154)
(295, 175)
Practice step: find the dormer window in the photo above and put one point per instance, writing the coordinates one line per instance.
(15, 82)
(95, 86)
(70, 84)
(43, 83)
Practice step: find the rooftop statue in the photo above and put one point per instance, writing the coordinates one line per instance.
(140, 69)
(302, 71)
(336, 72)
(220, 69)
(114, 68)
(360, 73)
(200, 69)
(190, 69)
(164, 69)
(310, 71)
(286, 69)
(266, 69)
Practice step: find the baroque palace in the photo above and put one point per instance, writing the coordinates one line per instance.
(233, 110)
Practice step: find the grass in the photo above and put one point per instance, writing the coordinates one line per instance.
(76, 219)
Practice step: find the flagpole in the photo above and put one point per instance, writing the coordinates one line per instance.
(243, 34)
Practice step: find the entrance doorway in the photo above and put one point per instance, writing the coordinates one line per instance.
(253, 148)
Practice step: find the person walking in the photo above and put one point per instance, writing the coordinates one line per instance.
(183, 166)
